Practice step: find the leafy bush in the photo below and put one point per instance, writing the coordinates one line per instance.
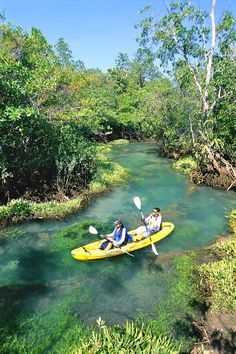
(28, 146)
(16, 209)
(129, 338)
(232, 220)
(185, 165)
(75, 159)
(218, 279)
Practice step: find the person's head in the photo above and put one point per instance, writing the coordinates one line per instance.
(118, 223)
(155, 211)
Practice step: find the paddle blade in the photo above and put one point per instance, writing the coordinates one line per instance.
(154, 250)
(137, 202)
(92, 230)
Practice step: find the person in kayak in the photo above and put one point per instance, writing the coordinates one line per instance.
(117, 238)
(152, 224)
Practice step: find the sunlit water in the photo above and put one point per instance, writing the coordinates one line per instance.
(33, 276)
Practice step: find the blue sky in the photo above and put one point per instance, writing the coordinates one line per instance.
(96, 30)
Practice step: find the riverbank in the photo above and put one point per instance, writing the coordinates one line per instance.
(108, 174)
(217, 289)
(206, 175)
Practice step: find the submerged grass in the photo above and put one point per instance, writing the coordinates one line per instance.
(56, 330)
(59, 328)
(174, 314)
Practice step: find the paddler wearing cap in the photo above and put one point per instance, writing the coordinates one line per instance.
(118, 238)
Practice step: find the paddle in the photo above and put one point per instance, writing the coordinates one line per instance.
(94, 231)
(138, 204)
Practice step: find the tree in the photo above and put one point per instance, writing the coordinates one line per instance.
(187, 35)
(64, 52)
(123, 62)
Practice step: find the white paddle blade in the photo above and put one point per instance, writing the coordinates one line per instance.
(92, 230)
(154, 250)
(137, 202)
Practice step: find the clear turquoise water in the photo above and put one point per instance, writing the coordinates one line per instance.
(34, 276)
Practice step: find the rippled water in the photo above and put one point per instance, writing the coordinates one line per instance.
(36, 272)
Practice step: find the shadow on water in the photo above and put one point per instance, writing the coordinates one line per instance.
(34, 265)
(31, 271)
(12, 303)
(111, 285)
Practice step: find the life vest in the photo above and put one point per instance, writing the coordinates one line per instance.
(152, 223)
(118, 235)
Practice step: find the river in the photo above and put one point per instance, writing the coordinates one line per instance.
(38, 275)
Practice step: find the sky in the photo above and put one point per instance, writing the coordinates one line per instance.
(95, 30)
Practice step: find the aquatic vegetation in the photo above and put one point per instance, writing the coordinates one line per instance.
(108, 174)
(54, 330)
(173, 314)
(185, 164)
(119, 142)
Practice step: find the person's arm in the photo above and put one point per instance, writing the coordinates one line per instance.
(147, 219)
(111, 235)
(122, 237)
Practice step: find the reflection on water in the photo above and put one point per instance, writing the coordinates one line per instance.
(34, 274)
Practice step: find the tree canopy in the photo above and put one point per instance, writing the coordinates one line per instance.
(53, 109)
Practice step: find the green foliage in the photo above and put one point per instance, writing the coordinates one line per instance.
(107, 174)
(226, 249)
(56, 329)
(119, 142)
(49, 156)
(64, 52)
(128, 338)
(177, 308)
(20, 208)
(218, 279)
(51, 107)
(223, 126)
(28, 148)
(16, 210)
(75, 160)
(232, 221)
(182, 38)
(185, 164)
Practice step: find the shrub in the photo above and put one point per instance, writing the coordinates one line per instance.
(129, 338)
(232, 220)
(218, 279)
(16, 208)
(185, 165)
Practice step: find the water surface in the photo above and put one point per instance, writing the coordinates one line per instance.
(37, 271)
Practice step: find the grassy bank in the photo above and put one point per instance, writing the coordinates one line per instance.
(218, 277)
(108, 174)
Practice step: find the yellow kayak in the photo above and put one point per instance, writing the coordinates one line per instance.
(90, 251)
